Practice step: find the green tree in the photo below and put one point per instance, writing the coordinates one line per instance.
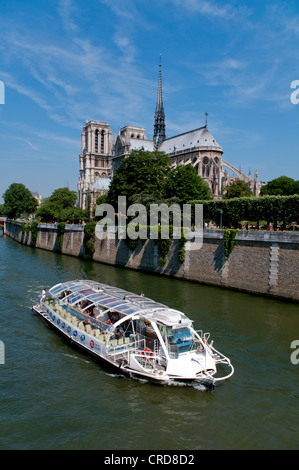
(18, 201)
(63, 197)
(60, 207)
(101, 199)
(237, 189)
(147, 177)
(277, 187)
(293, 188)
(48, 212)
(184, 183)
(140, 175)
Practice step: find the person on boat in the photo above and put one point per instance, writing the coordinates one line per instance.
(110, 329)
(86, 321)
(44, 296)
(119, 332)
(113, 316)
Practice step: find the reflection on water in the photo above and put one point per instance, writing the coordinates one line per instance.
(54, 397)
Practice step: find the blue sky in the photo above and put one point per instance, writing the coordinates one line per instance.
(65, 61)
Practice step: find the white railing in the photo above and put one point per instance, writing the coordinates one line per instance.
(116, 350)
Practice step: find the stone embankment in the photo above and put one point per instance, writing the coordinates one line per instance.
(258, 262)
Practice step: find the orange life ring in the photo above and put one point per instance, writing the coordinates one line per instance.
(147, 353)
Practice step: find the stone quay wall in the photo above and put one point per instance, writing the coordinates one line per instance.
(265, 263)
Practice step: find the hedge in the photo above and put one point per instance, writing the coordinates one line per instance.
(269, 208)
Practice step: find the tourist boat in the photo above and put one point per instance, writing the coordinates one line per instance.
(138, 336)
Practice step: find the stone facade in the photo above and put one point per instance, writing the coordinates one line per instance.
(95, 162)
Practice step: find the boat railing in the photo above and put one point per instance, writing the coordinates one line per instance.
(203, 336)
(138, 346)
(150, 361)
(93, 326)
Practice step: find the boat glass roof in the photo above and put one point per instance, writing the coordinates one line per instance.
(120, 300)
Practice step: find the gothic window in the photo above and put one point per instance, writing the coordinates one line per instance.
(102, 141)
(206, 167)
(96, 140)
(215, 167)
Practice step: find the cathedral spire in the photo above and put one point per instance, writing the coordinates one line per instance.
(159, 126)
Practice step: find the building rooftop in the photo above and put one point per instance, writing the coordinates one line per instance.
(200, 137)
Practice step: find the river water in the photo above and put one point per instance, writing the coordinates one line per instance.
(54, 397)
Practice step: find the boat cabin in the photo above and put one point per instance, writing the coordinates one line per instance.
(123, 318)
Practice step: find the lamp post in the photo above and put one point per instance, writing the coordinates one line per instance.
(221, 211)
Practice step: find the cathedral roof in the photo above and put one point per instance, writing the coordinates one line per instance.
(142, 144)
(193, 139)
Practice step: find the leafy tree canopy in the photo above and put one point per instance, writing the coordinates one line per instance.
(18, 201)
(63, 197)
(293, 188)
(147, 177)
(141, 173)
(184, 183)
(278, 187)
(60, 206)
(237, 189)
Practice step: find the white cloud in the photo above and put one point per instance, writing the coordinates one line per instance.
(66, 10)
(30, 144)
(213, 9)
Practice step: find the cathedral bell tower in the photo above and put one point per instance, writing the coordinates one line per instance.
(95, 162)
(159, 126)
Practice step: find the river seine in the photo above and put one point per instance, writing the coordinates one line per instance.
(54, 397)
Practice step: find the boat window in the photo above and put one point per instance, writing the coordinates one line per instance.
(87, 292)
(57, 290)
(75, 298)
(107, 301)
(97, 297)
(178, 340)
(101, 298)
(114, 303)
(183, 339)
(76, 287)
(128, 309)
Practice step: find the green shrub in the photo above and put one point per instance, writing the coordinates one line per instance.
(34, 229)
(89, 239)
(229, 242)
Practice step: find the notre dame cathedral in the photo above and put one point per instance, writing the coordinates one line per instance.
(101, 154)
